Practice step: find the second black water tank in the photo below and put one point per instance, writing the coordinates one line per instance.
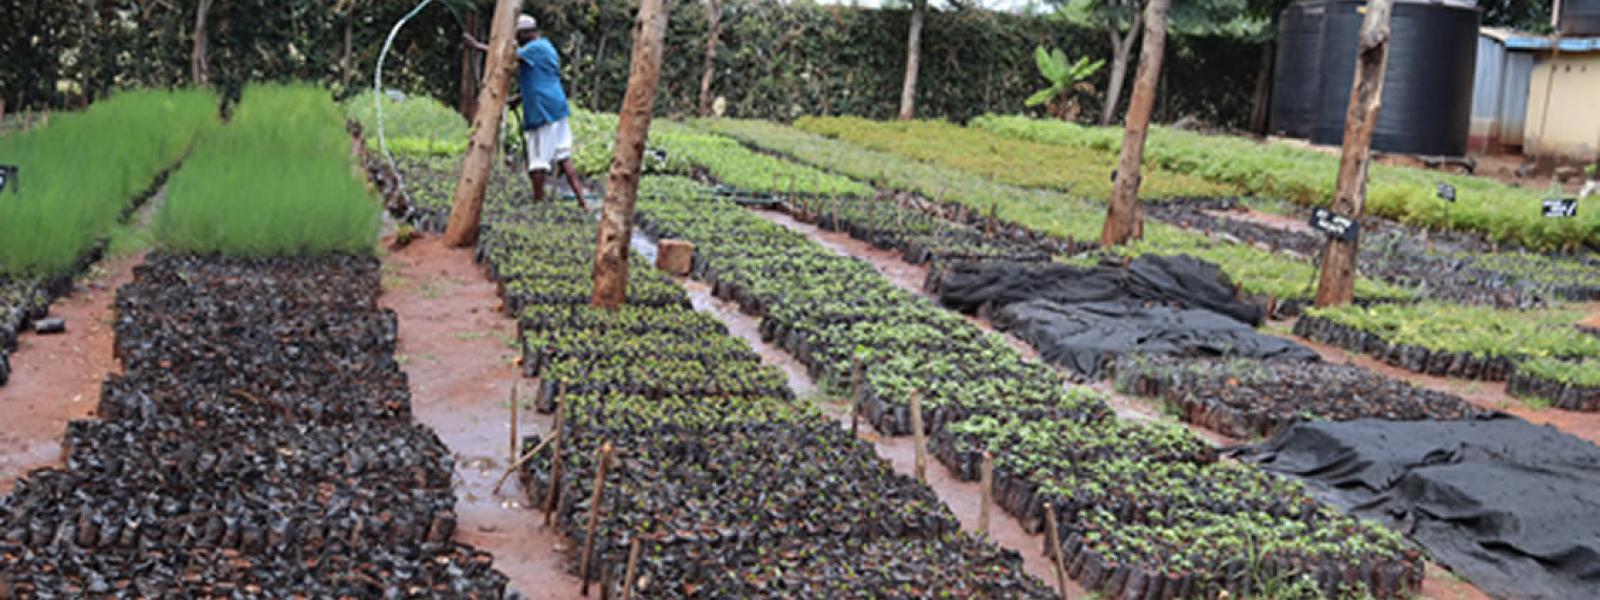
(1427, 88)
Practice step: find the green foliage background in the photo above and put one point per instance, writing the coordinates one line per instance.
(777, 60)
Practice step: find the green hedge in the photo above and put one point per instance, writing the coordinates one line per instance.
(778, 60)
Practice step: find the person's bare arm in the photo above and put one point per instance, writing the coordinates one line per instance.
(474, 43)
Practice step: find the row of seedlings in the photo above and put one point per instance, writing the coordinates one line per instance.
(1246, 398)
(1565, 384)
(258, 443)
(1470, 342)
(54, 227)
(1142, 511)
(1256, 407)
(1067, 223)
(685, 468)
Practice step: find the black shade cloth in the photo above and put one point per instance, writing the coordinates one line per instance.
(1084, 337)
(1513, 507)
(1185, 281)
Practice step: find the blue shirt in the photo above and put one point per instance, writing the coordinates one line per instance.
(539, 76)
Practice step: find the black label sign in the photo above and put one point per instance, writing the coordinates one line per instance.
(1335, 224)
(1561, 208)
(1447, 192)
(8, 177)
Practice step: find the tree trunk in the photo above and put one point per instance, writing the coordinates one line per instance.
(1121, 50)
(469, 62)
(1263, 95)
(1337, 283)
(908, 93)
(199, 69)
(467, 206)
(1124, 220)
(622, 184)
(347, 64)
(713, 31)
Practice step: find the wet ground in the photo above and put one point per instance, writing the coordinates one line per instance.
(458, 350)
(56, 378)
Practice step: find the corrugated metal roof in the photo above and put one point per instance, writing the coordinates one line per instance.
(1532, 42)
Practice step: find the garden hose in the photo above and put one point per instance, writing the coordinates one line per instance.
(377, 96)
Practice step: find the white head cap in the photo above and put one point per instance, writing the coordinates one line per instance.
(526, 23)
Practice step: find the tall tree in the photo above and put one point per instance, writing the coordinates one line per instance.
(908, 92)
(1124, 216)
(1337, 283)
(1122, 20)
(622, 183)
(713, 32)
(199, 69)
(467, 206)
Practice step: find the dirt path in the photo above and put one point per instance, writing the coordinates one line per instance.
(56, 378)
(457, 350)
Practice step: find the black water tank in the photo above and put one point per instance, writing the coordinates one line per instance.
(1427, 89)
(1580, 17)
(1295, 75)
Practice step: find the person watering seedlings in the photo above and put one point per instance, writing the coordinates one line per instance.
(544, 107)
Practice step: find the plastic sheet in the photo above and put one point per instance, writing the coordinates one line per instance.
(1507, 504)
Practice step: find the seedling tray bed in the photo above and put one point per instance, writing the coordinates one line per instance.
(1245, 398)
(1568, 385)
(952, 566)
(256, 444)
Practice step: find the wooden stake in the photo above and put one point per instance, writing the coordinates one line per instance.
(1336, 284)
(986, 485)
(622, 185)
(594, 517)
(633, 564)
(1053, 535)
(467, 205)
(514, 420)
(856, 388)
(521, 460)
(553, 493)
(917, 435)
(1124, 216)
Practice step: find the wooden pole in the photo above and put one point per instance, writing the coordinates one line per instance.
(917, 435)
(633, 565)
(908, 89)
(1336, 284)
(622, 185)
(594, 517)
(199, 66)
(713, 32)
(1124, 217)
(555, 465)
(1053, 535)
(514, 421)
(467, 205)
(986, 485)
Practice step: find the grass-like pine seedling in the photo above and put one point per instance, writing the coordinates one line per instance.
(280, 179)
(80, 172)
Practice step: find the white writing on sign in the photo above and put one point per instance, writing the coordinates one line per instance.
(1335, 224)
(1561, 208)
(1446, 192)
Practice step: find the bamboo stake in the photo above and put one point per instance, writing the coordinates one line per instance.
(1054, 536)
(633, 563)
(514, 420)
(917, 436)
(594, 517)
(555, 463)
(855, 394)
(527, 456)
(986, 485)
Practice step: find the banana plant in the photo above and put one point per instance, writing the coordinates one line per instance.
(1067, 80)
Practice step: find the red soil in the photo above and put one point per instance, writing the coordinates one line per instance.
(56, 378)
